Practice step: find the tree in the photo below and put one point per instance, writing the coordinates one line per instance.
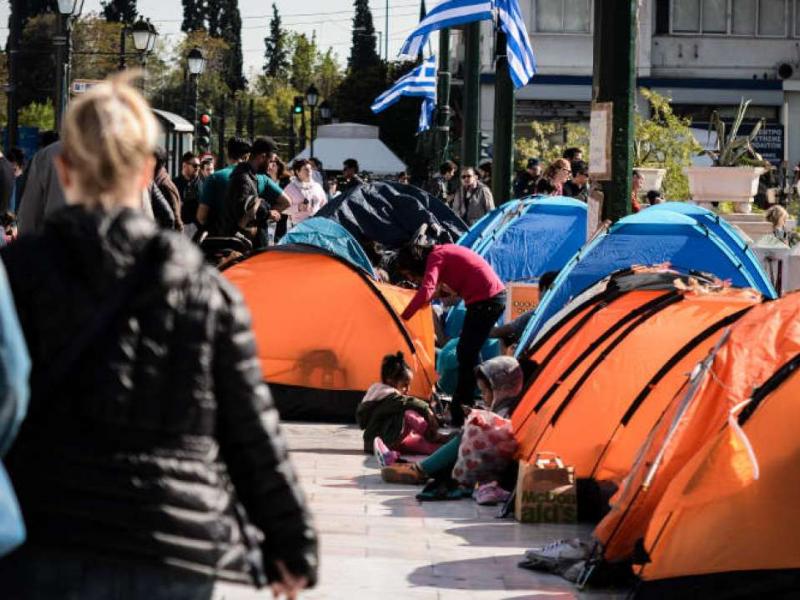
(33, 8)
(548, 141)
(664, 140)
(119, 11)
(194, 15)
(230, 29)
(328, 74)
(277, 51)
(362, 53)
(95, 43)
(304, 61)
(35, 114)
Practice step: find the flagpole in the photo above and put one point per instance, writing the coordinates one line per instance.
(503, 156)
(470, 144)
(443, 98)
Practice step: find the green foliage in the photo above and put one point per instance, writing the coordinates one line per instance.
(119, 11)
(35, 114)
(548, 141)
(277, 48)
(328, 75)
(194, 16)
(304, 61)
(733, 150)
(33, 8)
(664, 141)
(363, 54)
(95, 44)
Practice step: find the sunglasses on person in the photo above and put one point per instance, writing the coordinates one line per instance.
(194, 165)
(467, 176)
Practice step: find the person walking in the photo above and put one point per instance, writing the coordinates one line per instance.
(305, 194)
(41, 195)
(558, 173)
(473, 199)
(189, 186)
(525, 182)
(578, 186)
(167, 187)
(350, 170)
(470, 278)
(439, 185)
(150, 439)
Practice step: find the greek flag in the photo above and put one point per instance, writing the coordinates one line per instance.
(521, 62)
(419, 83)
(447, 14)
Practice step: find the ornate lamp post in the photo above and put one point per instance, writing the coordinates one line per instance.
(197, 65)
(68, 11)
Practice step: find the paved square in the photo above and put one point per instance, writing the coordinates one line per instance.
(379, 542)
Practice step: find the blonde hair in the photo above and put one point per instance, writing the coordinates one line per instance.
(107, 135)
(776, 214)
(555, 166)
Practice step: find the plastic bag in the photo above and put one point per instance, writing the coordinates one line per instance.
(487, 448)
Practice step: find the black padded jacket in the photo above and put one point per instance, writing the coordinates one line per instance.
(142, 452)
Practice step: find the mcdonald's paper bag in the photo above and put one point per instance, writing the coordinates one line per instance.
(546, 492)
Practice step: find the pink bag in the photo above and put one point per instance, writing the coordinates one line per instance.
(487, 448)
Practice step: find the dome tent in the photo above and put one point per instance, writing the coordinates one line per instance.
(321, 339)
(329, 235)
(645, 238)
(391, 214)
(600, 383)
(711, 502)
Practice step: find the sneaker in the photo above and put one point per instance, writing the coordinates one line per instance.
(383, 455)
(559, 551)
(490, 494)
(408, 473)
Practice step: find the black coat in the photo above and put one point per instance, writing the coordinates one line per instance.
(132, 457)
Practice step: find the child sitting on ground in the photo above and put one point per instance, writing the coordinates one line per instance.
(500, 382)
(394, 422)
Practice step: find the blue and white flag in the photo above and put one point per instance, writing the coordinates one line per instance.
(521, 62)
(426, 114)
(447, 14)
(420, 83)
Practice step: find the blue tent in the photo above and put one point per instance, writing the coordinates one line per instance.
(330, 236)
(648, 237)
(536, 236)
(728, 234)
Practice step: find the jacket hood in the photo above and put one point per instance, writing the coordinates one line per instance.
(379, 391)
(504, 375)
(100, 246)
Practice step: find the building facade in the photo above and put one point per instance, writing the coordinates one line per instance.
(703, 54)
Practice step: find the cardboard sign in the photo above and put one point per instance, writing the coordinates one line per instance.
(522, 297)
(600, 140)
(546, 493)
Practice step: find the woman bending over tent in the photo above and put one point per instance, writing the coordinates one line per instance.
(471, 278)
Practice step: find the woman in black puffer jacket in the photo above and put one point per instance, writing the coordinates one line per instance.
(150, 438)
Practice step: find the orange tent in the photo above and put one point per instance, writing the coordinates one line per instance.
(714, 492)
(609, 368)
(322, 327)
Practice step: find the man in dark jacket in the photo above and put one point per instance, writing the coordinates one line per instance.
(245, 212)
(142, 450)
(189, 186)
(578, 186)
(525, 183)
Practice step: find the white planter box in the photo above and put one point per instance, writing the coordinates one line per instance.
(653, 178)
(724, 184)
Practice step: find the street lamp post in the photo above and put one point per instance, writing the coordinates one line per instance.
(312, 97)
(144, 36)
(325, 111)
(68, 10)
(197, 64)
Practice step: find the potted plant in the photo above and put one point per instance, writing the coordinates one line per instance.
(663, 147)
(736, 165)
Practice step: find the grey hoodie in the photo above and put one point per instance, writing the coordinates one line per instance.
(505, 379)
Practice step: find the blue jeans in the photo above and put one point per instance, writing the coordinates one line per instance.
(32, 574)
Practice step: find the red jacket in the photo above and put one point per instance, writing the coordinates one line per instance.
(460, 269)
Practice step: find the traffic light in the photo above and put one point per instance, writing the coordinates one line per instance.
(297, 109)
(204, 131)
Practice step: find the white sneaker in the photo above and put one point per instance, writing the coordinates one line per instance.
(559, 550)
(383, 455)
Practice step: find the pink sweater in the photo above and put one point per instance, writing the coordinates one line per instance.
(462, 270)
